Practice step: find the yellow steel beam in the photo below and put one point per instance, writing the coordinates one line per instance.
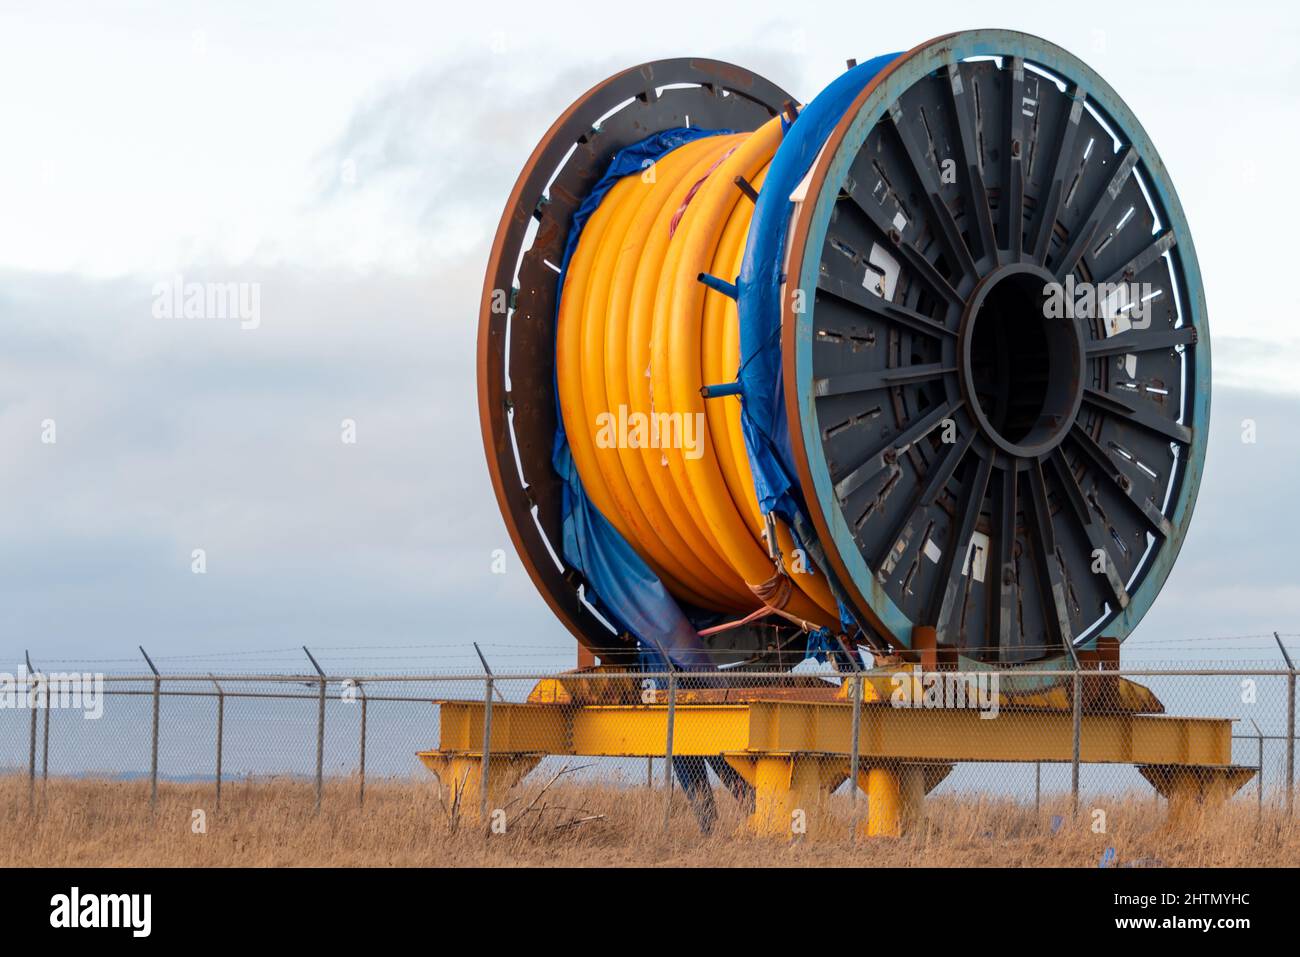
(826, 728)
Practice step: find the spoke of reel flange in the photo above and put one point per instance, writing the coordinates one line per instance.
(856, 295)
(1086, 521)
(1064, 150)
(940, 219)
(892, 239)
(1154, 518)
(881, 460)
(1115, 406)
(955, 556)
(1140, 341)
(1050, 578)
(1158, 247)
(936, 478)
(1087, 231)
(1014, 184)
(881, 379)
(1005, 625)
(977, 197)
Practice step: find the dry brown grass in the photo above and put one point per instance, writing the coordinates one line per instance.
(81, 822)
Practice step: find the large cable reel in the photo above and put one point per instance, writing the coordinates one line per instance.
(977, 446)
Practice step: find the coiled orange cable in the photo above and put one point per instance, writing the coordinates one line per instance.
(638, 336)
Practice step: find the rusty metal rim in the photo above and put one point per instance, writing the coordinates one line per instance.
(550, 157)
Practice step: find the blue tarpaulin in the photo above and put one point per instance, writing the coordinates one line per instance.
(767, 434)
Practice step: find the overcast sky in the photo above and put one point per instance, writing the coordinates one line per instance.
(353, 160)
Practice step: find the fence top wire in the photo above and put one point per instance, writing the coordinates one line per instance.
(1226, 652)
(731, 677)
(1243, 655)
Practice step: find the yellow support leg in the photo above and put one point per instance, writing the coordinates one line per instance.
(1194, 790)
(789, 791)
(896, 796)
(461, 776)
(884, 803)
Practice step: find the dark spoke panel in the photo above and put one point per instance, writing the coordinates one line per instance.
(923, 142)
(1133, 404)
(1123, 235)
(904, 541)
(963, 563)
(923, 242)
(1139, 359)
(1089, 232)
(1017, 116)
(872, 379)
(1005, 623)
(910, 272)
(1055, 129)
(1120, 501)
(1060, 614)
(1089, 177)
(978, 120)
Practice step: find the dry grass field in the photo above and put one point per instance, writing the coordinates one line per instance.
(82, 822)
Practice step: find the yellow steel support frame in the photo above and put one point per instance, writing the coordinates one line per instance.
(896, 796)
(795, 753)
(789, 788)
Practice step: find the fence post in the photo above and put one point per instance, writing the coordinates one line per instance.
(853, 758)
(487, 670)
(1259, 775)
(487, 748)
(1291, 724)
(1038, 787)
(361, 793)
(31, 756)
(1290, 741)
(320, 731)
(668, 749)
(221, 722)
(1078, 729)
(320, 745)
(153, 748)
(45, 745)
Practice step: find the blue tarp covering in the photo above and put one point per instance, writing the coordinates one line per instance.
(767, 434)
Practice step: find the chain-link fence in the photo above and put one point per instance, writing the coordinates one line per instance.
(776, 752)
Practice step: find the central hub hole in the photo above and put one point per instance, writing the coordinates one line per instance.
(1024, 366)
